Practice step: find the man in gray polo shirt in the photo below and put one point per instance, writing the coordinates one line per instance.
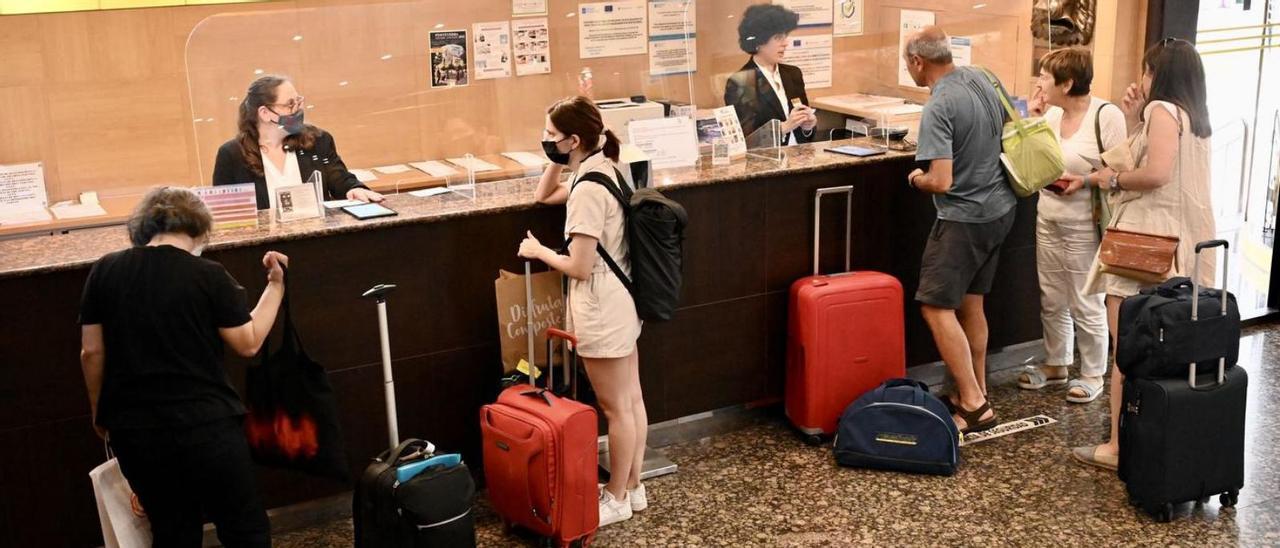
(960, 139)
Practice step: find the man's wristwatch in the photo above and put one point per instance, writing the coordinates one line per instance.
(1114, 182)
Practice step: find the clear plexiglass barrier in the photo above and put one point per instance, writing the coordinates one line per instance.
(433, 93)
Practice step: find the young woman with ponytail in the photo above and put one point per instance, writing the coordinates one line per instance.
(274, 147)
(601, 313)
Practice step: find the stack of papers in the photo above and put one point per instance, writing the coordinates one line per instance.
(434, 168)
(392, 169)
(72, 210)
(474, 164)
(526, 159)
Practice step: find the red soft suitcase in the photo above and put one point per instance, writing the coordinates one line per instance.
(845, 336)
(540, 459)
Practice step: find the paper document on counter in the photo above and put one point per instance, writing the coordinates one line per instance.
(429, 192)
(22, 187)
(526, 159)
(364, 175)
(72, 210)
(434, 168)
(669, 142)
(335, 204)
(10, 216)
(392, 169)
(474, 164)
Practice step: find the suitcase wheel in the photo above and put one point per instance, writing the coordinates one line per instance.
(813, 440)
(1229, 499)
(1162, 513)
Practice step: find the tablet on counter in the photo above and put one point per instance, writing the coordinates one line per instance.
(858, 151)
(368, 211)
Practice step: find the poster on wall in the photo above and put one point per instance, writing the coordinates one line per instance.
(812, 12)
(449, 58)
(531, 46)
(672, 37)
(848, 17)
(962, 51)
(812, 54)
(492, 49)
(612, 29)
(912, 21)
(524, 8)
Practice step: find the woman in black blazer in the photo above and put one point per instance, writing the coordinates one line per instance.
(764, 88)
(275, 148)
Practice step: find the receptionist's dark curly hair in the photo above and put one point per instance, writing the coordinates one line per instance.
(762, 22)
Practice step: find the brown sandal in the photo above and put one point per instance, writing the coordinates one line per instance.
(973, 419)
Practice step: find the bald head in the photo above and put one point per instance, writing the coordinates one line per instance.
(930, 44)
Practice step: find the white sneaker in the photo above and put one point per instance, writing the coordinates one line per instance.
(639, 501)
(613, 510)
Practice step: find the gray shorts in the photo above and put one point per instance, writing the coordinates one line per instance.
(960, 259)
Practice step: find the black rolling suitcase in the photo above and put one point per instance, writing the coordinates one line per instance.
(410, 496)
(1182, 439)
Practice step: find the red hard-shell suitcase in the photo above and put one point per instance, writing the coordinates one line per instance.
(540, 459)
(845, 336)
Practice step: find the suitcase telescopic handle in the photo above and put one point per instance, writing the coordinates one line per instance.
(847, 190)
(1195, 301)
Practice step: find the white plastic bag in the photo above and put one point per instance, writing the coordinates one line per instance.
(124, 523)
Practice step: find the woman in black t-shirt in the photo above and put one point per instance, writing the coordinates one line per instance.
(154, 320)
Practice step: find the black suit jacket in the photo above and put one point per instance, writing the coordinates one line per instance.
(231, 169)
(755, 101)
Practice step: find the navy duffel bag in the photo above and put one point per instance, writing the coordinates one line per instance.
(899, 426)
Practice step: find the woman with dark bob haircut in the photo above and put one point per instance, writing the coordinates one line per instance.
(154, 320)
(764, 88)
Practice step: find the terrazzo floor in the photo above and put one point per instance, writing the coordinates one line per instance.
(761, 486)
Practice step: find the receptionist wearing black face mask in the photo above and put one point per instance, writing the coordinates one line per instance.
(275, 148)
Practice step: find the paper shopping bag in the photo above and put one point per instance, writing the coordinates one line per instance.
(548, 311)
(124, 523)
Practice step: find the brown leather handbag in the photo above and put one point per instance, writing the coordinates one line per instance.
(1137, 255)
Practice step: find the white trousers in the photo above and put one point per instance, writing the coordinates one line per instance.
(1064, 253)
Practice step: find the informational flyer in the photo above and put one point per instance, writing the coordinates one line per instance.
(297, 202)
(531, 46)
(813, 55)
(612, 29)
(962, 50)
(449, 58)
(731, 131)
(848, 17)
(812, 12)
(672, 37)
(22, 187)
(911, 22)
(521, 8)
(669, 142)
(492, 49)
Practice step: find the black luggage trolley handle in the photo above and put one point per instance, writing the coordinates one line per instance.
(847, 190)
(1195, 301)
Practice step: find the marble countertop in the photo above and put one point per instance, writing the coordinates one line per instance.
(76, 249)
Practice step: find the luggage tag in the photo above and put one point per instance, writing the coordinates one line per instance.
(408, 471)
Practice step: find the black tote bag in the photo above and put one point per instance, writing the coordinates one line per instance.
(293, 415)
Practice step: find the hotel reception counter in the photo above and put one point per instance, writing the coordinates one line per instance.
(749, 237)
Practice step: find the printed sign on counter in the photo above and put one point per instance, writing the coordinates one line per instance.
(672, 37)
(492, 50)
(612, 29)
(232, 206)
(22, 187)
(813, 55)
(532, 50)
(669, 142)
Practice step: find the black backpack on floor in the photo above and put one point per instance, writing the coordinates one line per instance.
(655, 239)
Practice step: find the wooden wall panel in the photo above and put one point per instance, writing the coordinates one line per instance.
(120, 61)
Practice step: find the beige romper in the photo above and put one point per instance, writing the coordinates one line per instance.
(601, 313)
(1180, 208)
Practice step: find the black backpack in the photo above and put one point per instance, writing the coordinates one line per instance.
(655, 237)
